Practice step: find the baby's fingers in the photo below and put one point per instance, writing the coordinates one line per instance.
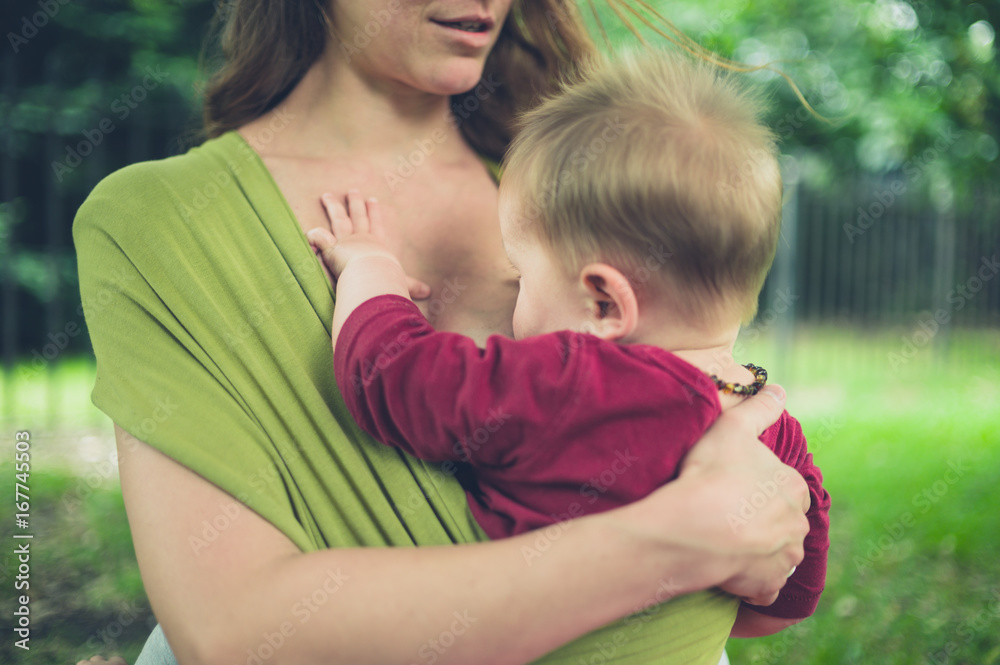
(321, 238)
(323, 243)
(358, 211)
(340, 222)
(375, 219)
(418, 290)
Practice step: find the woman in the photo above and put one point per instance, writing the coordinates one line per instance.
(250, 493)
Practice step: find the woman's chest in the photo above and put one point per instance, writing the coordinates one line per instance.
(441, 223)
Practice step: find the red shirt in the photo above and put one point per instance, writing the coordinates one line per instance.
(554, 426)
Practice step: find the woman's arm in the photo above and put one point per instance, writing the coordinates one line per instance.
(251, 591)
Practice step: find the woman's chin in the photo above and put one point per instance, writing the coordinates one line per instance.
(458, 77)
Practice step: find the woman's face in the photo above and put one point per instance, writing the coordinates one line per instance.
(435, 46)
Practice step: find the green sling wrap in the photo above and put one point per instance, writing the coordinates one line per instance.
(210, 320)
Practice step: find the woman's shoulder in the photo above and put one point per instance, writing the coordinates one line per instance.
(164, 189)
(192, 166)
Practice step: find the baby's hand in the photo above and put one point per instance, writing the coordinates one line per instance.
(358, 233)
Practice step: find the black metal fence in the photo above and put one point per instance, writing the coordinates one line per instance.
(853, 255)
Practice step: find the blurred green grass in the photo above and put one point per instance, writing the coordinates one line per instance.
(914, 575)
(86, 594)
(917, 589)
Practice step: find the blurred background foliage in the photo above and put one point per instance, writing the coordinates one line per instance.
(67, 67)
(893, 76)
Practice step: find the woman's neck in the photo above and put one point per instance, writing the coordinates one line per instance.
(343, 132)
(336, 111)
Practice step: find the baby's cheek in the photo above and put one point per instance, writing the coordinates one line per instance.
(518, 319)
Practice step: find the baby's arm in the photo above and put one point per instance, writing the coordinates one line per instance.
(753, 624)
(358, 258)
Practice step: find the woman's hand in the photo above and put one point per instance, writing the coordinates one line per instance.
(733, 539)
(358, 233)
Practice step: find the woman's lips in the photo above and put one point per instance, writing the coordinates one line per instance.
(471, 31)
(465, 26)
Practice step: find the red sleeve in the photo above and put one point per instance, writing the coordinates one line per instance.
(438, 396)
(801, 593)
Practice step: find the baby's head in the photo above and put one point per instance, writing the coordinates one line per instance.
(648, 186)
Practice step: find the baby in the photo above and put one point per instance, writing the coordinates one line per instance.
(640, 208)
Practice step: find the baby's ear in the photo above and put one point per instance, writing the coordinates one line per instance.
(613, 311)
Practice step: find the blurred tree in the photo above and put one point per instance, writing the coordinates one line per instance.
(912, 88)
(87, 87)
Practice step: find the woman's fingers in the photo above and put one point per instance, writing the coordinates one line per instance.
(760, 411)
(767, 542)
(358, 211)
(727, 436)
(761, 583)
(737, 425)
(340, 221)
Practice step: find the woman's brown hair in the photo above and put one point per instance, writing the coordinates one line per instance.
(262, 49)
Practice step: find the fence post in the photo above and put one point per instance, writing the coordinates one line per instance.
(944, 267)
(783, 293)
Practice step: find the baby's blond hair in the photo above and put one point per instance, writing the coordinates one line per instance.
(660, 166)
